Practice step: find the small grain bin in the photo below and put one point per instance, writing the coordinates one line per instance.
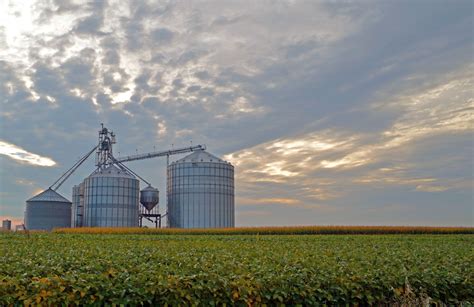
(47, 210)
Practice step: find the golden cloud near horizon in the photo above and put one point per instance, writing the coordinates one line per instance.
(295, 170)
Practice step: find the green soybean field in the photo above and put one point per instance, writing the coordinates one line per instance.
(242, 270)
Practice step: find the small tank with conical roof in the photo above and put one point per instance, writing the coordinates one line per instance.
(47, 210)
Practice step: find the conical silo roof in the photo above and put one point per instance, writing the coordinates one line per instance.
(112, 171)
(200, 156)
(50, 196)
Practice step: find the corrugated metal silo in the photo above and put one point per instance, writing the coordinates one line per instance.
(7, 225)
(77, 205)
(111, 199)
(47, 210)
(200, 192)
(149, 197)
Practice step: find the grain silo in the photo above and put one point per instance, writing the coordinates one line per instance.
(7, 225)
(47, 210)
(111, 198)
(77, 205)
(200, 192)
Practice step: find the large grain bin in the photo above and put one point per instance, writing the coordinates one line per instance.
(47, 210)
(200, 192)
(111, 199)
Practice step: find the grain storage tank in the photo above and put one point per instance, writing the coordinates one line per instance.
(200, 192)
(111, 198)
(47, 210)
(7, 225)
(149, 197)
(77, 205)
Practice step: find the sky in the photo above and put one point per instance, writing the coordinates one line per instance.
(332, 112)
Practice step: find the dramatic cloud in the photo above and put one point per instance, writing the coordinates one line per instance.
(349, 113)
(305, 165)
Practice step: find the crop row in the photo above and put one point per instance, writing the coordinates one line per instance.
(57, 269)
(297, 230)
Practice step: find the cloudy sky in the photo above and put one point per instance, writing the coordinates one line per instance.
(355, 113)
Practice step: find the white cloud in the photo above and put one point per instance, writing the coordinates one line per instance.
(162, 128)
(23, 156)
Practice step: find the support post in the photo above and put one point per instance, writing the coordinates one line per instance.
(166, 189)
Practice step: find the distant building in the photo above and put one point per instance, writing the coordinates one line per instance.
(19, 227)
(6, 224)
